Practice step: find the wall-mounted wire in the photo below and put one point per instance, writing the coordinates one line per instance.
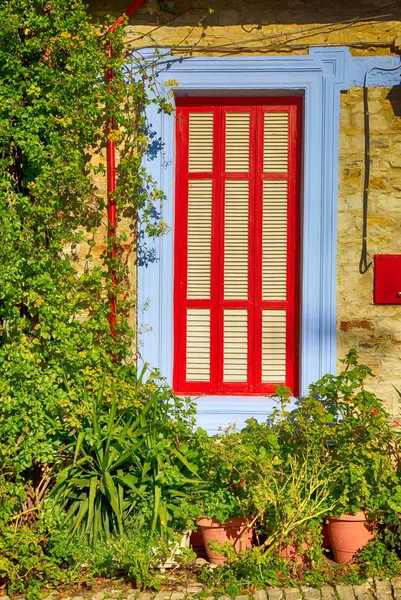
(363, 263)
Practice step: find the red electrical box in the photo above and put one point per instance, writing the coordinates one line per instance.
(387, 279)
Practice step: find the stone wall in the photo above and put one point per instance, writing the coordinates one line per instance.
(374, 330)
(291, 26)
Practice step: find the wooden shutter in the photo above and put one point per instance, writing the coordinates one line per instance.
(236, 243)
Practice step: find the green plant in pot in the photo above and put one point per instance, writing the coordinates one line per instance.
(229, 463)
(362, 447)
(293, 488)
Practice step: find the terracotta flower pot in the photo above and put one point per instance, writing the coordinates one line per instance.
(234, 531)
(197, 544)
(293, 553)
(348, 534)
(326, 539)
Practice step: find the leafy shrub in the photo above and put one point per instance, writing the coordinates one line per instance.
(127, 462)
(377, 560)
(363, 447)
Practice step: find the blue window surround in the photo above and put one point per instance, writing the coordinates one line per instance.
(319, 77)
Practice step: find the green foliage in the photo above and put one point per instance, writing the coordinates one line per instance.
(134, 554)
(377, 560)
(124, 463)
(55, 294)
(24, 564)
(363, 441)
(271, 473)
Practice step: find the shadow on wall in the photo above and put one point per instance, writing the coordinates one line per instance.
(257, 13)
(394, 97)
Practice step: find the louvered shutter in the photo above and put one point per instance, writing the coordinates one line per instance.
(236, 236)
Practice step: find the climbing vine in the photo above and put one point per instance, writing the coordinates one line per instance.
(55, 282)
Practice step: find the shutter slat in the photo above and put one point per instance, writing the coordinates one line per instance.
(273, 346)
(237, 142)
(200, 142)
(235, 345)
(236, 239)
(198, 344)
(274, 248)
(199, 238)
(275, 150)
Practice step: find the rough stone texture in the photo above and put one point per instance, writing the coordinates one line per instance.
(396, 584)
(327, 592)
(292, 594)
(345, 592)
(310, 593)
(145, 596)
(365, 596)
(374, 330)
(363, 589)
(383, 589)
(370, 590)
(260, 26)
(162, 596)
(193, 589)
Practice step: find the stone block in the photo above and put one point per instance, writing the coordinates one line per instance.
(396, 584)
(366, 596)
(145, 596)
(292, 594)
(275, 594)
(162, 596)
(364, 588)
(260, 595)
(327, 592)
(193, 589)
(383, 589)
(310, 593)
(244, 597)
(345, 592)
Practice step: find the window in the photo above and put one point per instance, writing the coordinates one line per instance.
(236, 272)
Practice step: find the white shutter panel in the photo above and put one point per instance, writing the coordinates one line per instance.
(275, 147)
(236, 239)
(198, 344)
(199, 238)
(273, 346)
(274, 261)
(235, 345)
(200, 142)
(237, 141)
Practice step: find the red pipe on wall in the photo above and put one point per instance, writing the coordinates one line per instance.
(111, 176)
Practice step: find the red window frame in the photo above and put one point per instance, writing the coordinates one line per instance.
(254, 304)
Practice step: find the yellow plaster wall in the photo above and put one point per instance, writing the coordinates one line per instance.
(291, 26)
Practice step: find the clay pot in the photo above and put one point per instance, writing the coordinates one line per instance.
(234, 531)
(197, 544)
(293, 553)
(326, 539)
(348, 534)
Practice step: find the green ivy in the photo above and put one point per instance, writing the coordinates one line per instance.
(55, 114)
